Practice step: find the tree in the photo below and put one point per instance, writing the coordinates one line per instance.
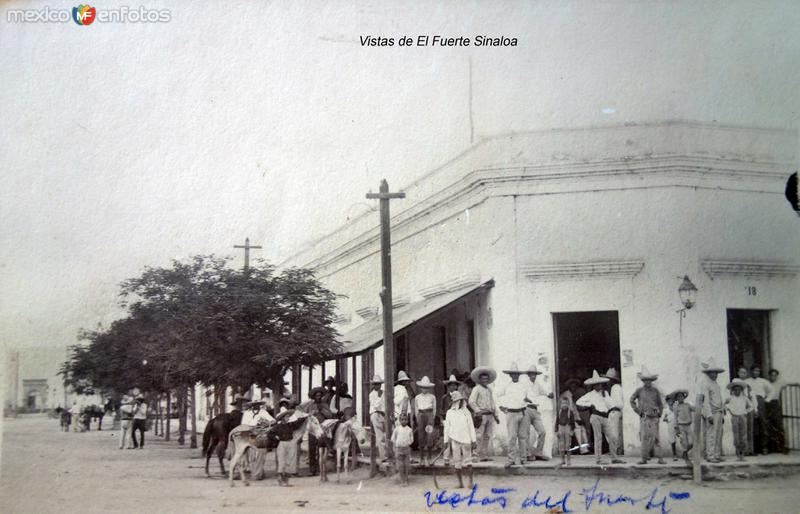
(203, 321)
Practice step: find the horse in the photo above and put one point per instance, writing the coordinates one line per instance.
(340, 435)
(215, 436)
(242, 438)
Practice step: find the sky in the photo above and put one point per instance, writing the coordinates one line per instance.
(124, 145)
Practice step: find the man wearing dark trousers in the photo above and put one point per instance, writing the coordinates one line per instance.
(139, 421)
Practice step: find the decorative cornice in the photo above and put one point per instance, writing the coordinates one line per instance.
(400, 301)
(342, 319)
(582, 270)
(723, 269)
(367, 312)
(466, 280)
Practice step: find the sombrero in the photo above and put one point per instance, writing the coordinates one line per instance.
(710, 366)
(402, 377)
(737, 382)
(676, 392)
(480, 370)
(376, 380)
(456, 396)
(596, 379)
(315, 390)
(571, 381)
(255, 402)
(533, 370)
(452, 380)
(611, 374)
(646, 375)
(513, 369)
(425, 382)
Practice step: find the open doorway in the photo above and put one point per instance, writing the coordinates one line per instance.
(585, 341)
(748, 339)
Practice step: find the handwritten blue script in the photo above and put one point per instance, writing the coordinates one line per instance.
(560, 502)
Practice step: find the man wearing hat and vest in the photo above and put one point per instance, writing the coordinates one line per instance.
(425, 403)
(537, 398)
(252, 417)
(513, 402)
(647, 404)
(615, 403)
(318, 408)
(377, 416)
(713, 410)
(597, 401)
(481, 402)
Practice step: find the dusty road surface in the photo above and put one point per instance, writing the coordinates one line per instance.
(44, 470)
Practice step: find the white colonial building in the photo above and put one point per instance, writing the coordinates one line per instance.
(566, 248)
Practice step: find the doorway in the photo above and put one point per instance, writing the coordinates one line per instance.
(585, 341)
(748, 339)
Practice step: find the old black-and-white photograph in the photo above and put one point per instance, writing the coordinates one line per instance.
(367, 256)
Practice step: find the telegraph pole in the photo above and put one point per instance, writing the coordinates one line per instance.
(247, 249)
(386, 298)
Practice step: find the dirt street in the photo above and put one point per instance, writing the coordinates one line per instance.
(45, 470)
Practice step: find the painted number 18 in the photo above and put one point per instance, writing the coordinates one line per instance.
(751, 291)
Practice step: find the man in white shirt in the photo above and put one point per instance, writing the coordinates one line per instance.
(512, 399)
(615, 403)
(126, 413)
(377, 415)
(252, 417)
(597, 399)
(760, 389)
(537, 400)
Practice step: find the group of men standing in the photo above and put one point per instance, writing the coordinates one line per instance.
(596, 407)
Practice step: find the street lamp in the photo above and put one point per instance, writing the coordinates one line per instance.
(687, 293)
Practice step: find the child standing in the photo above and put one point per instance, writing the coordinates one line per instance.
(401, 440)
(682, 412)
(669, 419)
(739, 406)
(459, 431)
(565, 421)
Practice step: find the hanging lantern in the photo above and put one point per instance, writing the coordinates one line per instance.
(687, 292)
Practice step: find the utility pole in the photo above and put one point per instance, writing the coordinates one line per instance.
(247, 249)
(386, 297)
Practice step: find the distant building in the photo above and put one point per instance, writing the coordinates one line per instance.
(33, 382)
(566, 248)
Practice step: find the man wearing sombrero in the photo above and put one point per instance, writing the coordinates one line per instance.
(252, 417)
(615, 404)
(597, 400)
(537, 397)
(318, 408)
(513, 402)
(482, 404)
(647, 404)
(712, 411)
(377, 415)
(402, 400)
(739, 406)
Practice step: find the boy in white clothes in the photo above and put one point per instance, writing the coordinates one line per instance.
(402, 437)
(459, 433)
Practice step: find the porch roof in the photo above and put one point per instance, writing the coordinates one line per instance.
(369, 335)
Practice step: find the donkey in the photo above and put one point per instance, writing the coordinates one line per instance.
(342, 433)
(242, 439)
(215, 436)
